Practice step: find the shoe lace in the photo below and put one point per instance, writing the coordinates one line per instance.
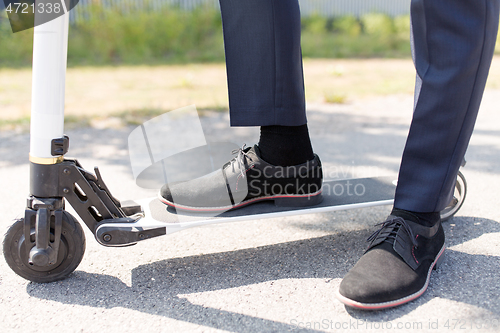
(240, 159)
(389, 230)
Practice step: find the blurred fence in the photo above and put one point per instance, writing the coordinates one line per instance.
(330, 8)
(357, 8)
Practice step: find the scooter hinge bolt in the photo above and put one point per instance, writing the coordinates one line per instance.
(106, 238)
(66, 190)
(66, 171)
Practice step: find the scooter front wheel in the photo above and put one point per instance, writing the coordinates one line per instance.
(70, 252)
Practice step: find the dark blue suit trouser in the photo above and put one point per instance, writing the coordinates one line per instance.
(452, 42)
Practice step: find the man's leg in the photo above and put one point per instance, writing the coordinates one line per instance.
(264, 62)
(453, 43)
(265, 76)
(266, 89)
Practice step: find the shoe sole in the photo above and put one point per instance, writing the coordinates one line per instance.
(385, 305)
(304, 200)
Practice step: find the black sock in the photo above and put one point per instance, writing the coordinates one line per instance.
(285, 145)
(425, 219)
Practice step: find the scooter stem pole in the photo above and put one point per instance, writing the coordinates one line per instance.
(50, 47)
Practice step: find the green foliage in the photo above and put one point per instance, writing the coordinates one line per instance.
(373, 35)
(15, 49)
(378, 24)
(402, 25)
(348, 25)
(173, 35)
(315, 24)
(345, 46)
(160, 36)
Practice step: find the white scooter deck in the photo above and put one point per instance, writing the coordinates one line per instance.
(337, 195)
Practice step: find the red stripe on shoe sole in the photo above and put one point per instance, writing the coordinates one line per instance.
(241, 204)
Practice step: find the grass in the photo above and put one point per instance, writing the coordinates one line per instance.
(21, 123)
(166, 35)
(333, 98)
(112, 37)
(372, 35)
(130, 95)
(132, 68)
(169, 35)
(173, 36)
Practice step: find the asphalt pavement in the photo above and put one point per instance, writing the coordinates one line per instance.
(275, 275)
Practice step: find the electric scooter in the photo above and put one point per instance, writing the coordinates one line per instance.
(48, 243)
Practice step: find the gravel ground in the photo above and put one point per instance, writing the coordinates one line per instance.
(274, 275)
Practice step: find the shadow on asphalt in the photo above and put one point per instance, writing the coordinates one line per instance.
(157, 288)
(339, 139)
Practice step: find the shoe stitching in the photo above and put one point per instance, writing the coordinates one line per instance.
(413, 251)
(240, 176)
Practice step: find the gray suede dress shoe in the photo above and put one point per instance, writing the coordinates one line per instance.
(247, 179)
(397, 266)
